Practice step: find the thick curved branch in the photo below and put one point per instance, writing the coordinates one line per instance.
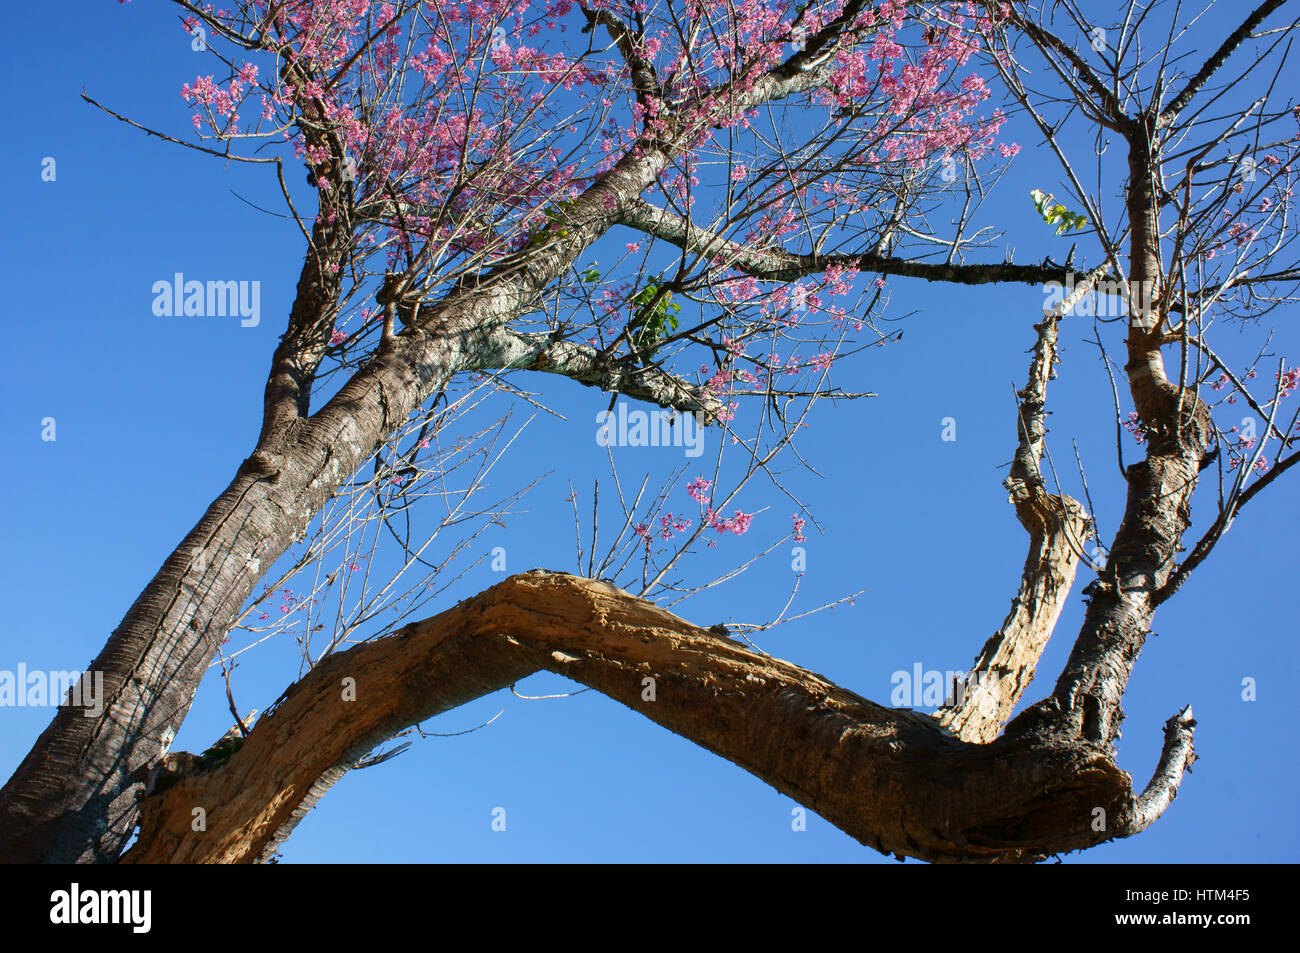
(891, 778)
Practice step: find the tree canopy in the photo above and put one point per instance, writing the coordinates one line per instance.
(718, 221)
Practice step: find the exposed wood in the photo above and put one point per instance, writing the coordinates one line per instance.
(892, 778)
(1057, 526)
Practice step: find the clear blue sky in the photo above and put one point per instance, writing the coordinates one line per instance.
(154, 415)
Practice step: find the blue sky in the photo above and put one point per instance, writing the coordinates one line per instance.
(154, 415)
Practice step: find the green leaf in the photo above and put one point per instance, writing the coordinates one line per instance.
(1058, 214)
(647, 328)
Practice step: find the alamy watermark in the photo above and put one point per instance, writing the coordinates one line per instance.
(79, 904)
(1106, 298)
(931, 688)
(653, 428)
(20, 688)
(212, 299)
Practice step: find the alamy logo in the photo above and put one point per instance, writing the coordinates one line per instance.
(213, 299)
(1106, 299)
(37, 689)
(655, 428)
(921, 688)
(75, 906)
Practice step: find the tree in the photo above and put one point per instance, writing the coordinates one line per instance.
(471, 190)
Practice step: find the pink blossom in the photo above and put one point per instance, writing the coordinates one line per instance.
(697, 488)
(1290, 380)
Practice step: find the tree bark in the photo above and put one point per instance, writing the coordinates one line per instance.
(1178, 428)
(73, 797)
(1058, 527)
(901, 782)
(892, 778)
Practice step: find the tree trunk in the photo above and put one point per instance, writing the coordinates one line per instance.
(73, 798)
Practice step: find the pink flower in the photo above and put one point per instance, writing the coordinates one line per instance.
(738, 524)
(672, 523)
(1290, 380)
(738, 172)
(697, 489)
(1133, 424)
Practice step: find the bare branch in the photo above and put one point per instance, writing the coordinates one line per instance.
(502, 349)
(1194, 85)
(1176, 757)
(776, 264)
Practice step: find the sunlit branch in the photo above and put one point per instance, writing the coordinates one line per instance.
(776, 264)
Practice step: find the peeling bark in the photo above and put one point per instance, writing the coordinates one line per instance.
(1057, 526)
(892, 778)
(1157, 510)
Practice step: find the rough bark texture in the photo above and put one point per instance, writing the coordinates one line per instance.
(892, 778)
(1057, 526)
(1157, 510)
